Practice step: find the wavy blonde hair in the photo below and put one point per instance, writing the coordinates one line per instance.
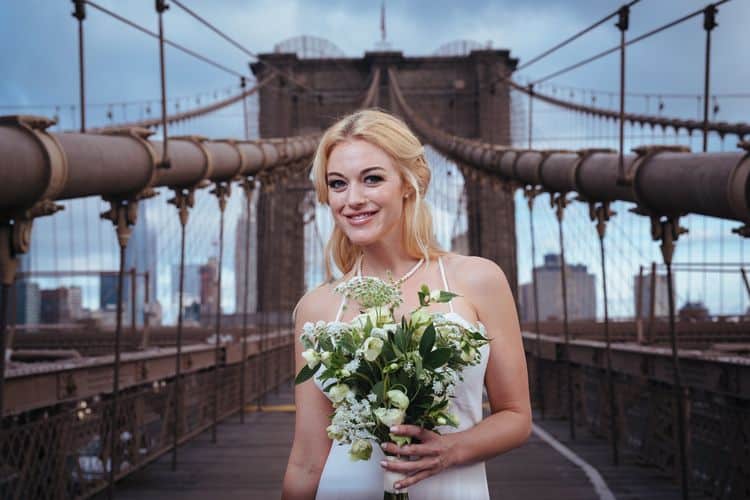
(394, 137)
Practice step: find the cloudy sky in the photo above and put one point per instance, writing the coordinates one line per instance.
(40, 71)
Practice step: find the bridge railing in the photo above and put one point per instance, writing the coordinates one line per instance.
(59, 446)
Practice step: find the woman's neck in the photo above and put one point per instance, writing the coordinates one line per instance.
(378, 260)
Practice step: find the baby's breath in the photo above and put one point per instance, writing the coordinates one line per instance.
(370, 291)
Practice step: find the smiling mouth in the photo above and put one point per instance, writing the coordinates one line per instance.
(361, 217)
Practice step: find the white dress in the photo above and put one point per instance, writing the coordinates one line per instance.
(343, 479)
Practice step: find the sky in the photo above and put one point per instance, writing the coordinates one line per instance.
(40, 70)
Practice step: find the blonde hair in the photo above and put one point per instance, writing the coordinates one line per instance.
(392, 136)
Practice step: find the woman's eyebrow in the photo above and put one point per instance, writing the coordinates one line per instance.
(363, 172)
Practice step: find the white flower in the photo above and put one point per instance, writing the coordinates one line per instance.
(334, 432)
(468, 356)
(338, 392)
(372, 348)
(398, 399)
(360, 450)
(352, 365)
(325, 356)
(372, 397)
(380, 333)
(391, 417)
(311, 357)
(459, 320)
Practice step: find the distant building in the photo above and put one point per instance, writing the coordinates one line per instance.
(107, 291)
(141, 255)
(581, 288)
(192, 284)
(661, 305)
(209, 285)
(75, 301)
(55, 306)
(693, 311)
(239, 265)
(28, 302)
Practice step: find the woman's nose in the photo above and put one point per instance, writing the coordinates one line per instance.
(356, 196)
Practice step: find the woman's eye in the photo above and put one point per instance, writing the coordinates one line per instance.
(335, 184)
(373, 179)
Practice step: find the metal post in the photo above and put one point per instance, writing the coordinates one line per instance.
(747, 283)
(531, 193)
(146, 309)
(183, 200)
(668, 231)
(161, 6)
(622, 24)
(222, 192)
(79, 13)
(243, 84)
(639, 308)
(123, 215)
(602, 213)
(4, 300)
(133, 286)
(559, 201)
(247, 186)
(652, 305)
(709, 23)
(531, 113)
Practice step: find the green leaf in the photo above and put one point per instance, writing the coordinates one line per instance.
(437, 358)
(379, 390)
(427, 341)
(325, 343)
(305, 373)
(446, 296)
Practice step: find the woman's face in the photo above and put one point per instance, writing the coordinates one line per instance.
(365, 192)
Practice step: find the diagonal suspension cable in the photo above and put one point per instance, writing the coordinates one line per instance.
(574, 37)
(168, 42)
(237, 45)
(628, 43)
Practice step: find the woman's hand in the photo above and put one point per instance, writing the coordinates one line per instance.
(435, 453)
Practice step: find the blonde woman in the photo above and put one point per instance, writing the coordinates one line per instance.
(371, 171)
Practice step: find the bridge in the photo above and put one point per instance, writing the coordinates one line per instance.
(152, 250)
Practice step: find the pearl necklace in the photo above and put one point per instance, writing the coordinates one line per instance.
(399, 281)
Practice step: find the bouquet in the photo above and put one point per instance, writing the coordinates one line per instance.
(379, 372)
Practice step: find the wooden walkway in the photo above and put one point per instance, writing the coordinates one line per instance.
(249, 460)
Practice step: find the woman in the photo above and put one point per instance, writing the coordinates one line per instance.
(371, 171)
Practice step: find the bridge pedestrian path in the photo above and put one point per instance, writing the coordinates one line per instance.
(249, 460)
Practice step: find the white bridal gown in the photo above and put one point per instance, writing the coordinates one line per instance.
(343, 479)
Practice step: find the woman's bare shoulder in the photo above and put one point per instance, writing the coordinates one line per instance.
(470, 272)
(320, 303)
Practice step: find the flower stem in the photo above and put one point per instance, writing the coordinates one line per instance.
(395, 496)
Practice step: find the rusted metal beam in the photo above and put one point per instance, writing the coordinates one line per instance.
(42, 165)
(713, 184)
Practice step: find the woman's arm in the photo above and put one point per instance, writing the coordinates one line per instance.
(484, 284)
(311, 443)
(506, 378)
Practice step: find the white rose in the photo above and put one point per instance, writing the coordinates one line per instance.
(390, 327)
(360, 450)
(391, 417)
(338, 392)
(372, 347)
(399, 399)
(379, 333)
(311, 357)
(325, 356)
(468, 357)
(379, 315)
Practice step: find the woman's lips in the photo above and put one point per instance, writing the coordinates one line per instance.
(361, 218)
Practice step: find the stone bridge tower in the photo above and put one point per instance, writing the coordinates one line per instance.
(459, 94)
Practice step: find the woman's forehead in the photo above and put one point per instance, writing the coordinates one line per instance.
(354, 156)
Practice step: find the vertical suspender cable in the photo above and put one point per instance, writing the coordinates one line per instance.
(560, 201)
(222, 192)
(80, 14)
(247, 185)
(161, 6)
(622, 25)
(531, 194)
(709, 23)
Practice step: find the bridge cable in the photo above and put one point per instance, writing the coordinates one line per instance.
(628, 43)
(574, 37)
(166, 41)
(239, 46)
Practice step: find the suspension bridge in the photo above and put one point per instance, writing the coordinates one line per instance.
(149, 267)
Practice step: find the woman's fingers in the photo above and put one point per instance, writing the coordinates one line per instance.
(408, 430)
(409, 449)
(411, 480)
(410, 466)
